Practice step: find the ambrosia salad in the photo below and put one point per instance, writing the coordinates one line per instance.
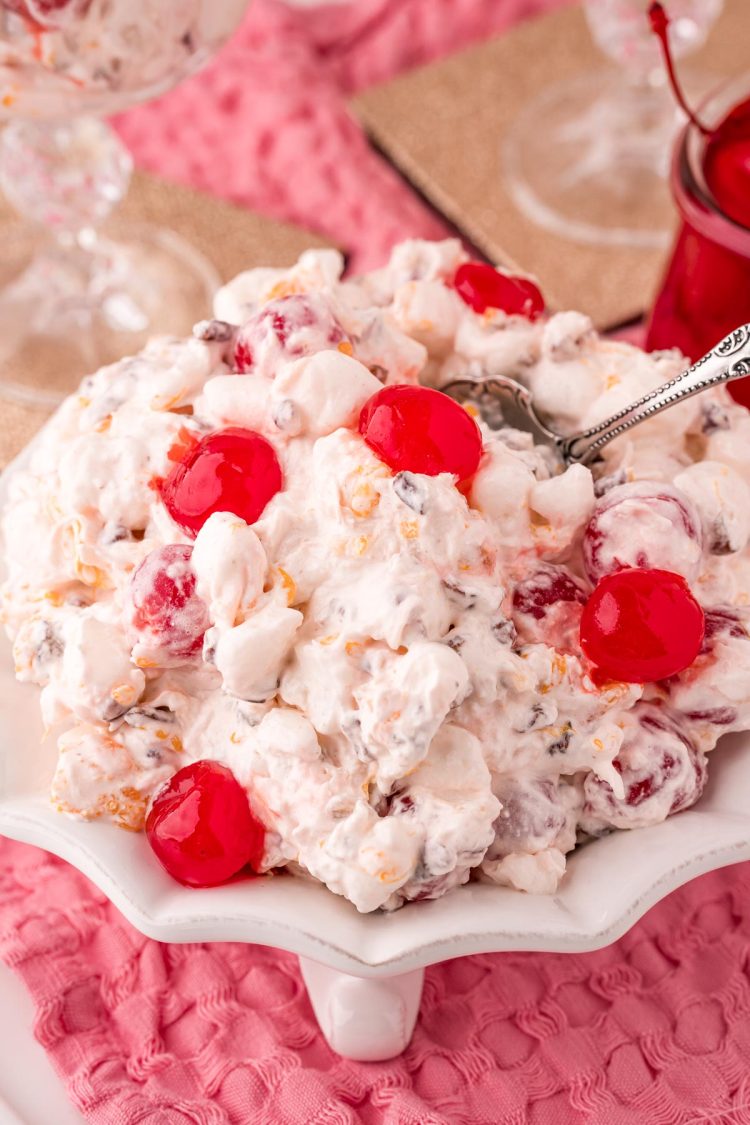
(289, 608)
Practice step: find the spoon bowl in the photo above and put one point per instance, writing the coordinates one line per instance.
(503, 401)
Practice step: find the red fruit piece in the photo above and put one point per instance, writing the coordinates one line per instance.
(643, 524)
(662, 773)
(233, 470)
(547, 606)
(201, 827)
(532, 815)
(164, 610)
(482, 287)
(726, 162)
(286, 328)
(44, 12)
(546, 587)
(727, 169)
(420, 430)
(639, 626)
(722, 621)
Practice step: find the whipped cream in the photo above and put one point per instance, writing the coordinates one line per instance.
(390, 667)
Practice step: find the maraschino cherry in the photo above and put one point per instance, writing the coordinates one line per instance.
(233, 470)
(726, 162)
(201, 827)
(726, 159)
(164, 608)
(293, 326)
(420, 430)
(544, 589)
(658, 760)
(547, 607)
(482, 287)
(639, 626)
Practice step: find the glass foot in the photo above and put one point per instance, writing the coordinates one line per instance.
(589, 160)
(66, 310)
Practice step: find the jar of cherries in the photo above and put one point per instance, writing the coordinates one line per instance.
(706, 290)
(705, 293)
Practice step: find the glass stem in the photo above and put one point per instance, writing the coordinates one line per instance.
(65, 176)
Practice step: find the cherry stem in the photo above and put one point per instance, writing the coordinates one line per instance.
(659, 21)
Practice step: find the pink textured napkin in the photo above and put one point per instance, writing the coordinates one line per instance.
(653, 1030)
(267, 125)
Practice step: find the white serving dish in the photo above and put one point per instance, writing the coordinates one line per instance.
(364, 972)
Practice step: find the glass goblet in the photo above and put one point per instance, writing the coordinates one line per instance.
(589, 158)
(73, 294)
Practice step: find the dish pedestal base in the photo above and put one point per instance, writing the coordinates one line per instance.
(367, 1019)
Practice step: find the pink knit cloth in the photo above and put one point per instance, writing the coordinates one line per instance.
(653, 1031)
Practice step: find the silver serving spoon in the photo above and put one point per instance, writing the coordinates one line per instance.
(728, 360)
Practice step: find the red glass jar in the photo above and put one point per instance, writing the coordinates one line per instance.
(706, 290)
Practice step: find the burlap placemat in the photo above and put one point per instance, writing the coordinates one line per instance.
(231, 238)
(443, 126)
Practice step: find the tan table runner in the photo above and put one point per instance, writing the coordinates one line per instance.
(443, 125)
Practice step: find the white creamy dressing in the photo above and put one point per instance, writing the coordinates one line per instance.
(400, 724)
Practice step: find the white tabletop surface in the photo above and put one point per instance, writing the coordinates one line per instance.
(30, 1091)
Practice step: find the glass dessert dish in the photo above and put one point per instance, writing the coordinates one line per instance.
(74, 296)
(706, 288)
(589, 158)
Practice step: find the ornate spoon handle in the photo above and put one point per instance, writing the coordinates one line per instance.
(729, 360)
